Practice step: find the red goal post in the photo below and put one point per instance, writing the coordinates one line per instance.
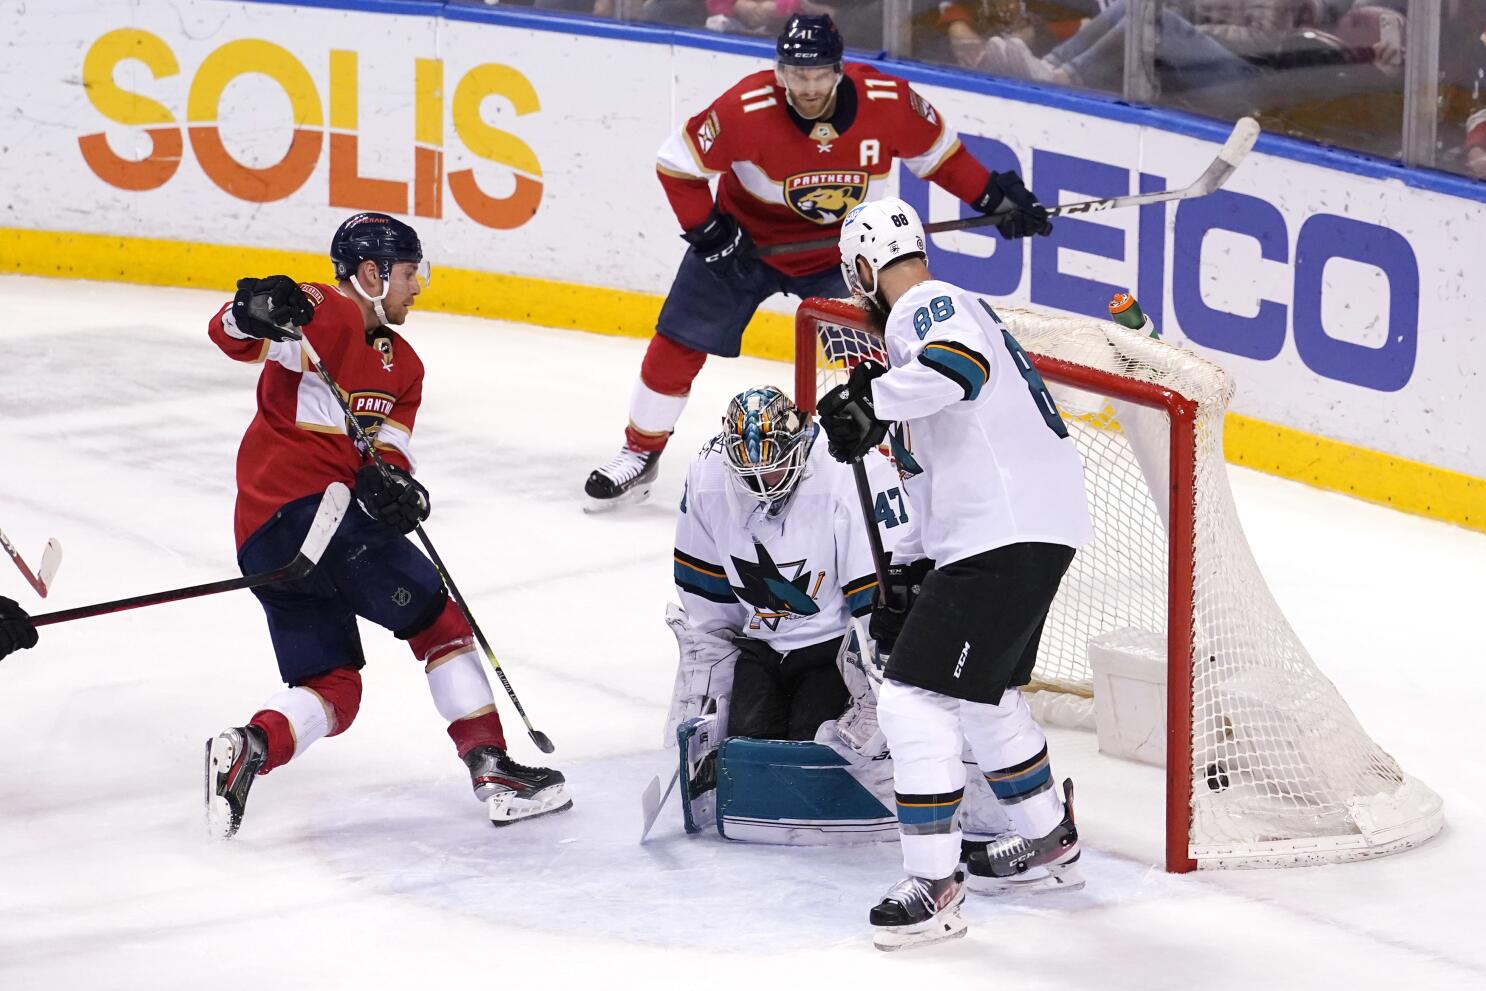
(1266, 765)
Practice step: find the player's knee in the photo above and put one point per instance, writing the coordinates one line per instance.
(669, 367)
(340, 692)
(918, 721)
(1000, 724)
(438, 633)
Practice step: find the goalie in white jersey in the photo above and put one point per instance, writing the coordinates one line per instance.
(997, 488)
(775, 705)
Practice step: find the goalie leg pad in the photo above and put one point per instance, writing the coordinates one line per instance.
(795, 793)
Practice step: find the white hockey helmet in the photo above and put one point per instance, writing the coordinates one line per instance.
(879, 231)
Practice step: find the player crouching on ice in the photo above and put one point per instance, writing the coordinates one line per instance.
(999, 495)
(298, 443)
(774, 709)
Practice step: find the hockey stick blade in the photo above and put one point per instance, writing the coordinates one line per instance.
(653, 801)
(1239, 143)
(333, 505)
(51, 559)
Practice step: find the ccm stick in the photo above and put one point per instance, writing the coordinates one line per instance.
(543, 743)
(1230, 156)
(51, 560)
(327, 519)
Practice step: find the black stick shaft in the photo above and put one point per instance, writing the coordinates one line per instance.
(173, 595)
(869, 517)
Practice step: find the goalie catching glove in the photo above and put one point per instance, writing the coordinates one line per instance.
(272, 308)
(395, 498)
(847, 415)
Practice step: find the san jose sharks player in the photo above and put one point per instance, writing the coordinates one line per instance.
(1000, 508)
(792, 148)
(775, 691)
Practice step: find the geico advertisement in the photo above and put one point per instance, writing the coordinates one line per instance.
(1344, 306)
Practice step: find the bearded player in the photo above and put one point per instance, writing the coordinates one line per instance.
(297, 444)
(793, 149)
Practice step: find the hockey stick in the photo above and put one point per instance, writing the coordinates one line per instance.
(653, 801)
(1240, 142)
(327, 519)
(544, 744)
(869, 517)
(51, 560)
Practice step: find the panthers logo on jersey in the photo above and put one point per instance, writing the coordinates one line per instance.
(370, 409)
(825, 197)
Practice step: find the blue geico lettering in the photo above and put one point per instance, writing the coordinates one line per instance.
(994, 267)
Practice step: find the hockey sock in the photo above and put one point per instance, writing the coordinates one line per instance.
(462, 694)
(661, 392)
(292, 720)
(923, 733)
(1012, 752)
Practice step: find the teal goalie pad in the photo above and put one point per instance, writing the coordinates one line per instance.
(799, 794)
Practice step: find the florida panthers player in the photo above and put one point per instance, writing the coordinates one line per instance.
(793, 148)
(772, 563)
(297, 444)
(1000, 509)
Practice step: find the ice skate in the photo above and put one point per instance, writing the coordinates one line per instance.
(232, 762)
(513, 791)
(624, 480)
(917, 912)
(1014, 863)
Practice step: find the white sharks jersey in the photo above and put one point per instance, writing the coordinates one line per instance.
(981, 446)
(791, 580)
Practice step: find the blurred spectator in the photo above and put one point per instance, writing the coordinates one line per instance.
(1462, 133)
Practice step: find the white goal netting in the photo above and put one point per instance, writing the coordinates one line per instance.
(1278, 770)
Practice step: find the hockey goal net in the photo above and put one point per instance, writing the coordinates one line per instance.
(1265, 763)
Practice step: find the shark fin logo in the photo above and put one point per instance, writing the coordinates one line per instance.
(772, 595)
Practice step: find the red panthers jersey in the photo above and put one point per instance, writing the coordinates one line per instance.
(785, 178)
(299, 441)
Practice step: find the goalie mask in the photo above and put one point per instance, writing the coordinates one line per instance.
(767, 441)
(879, 232)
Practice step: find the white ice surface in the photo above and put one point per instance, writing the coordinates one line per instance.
(366, 863)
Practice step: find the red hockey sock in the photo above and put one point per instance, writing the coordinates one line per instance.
(669, 368)
(275, 726)
(477, 731)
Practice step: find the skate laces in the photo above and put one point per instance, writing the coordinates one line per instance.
(1010, 847)
(915, 894)
(625, 466)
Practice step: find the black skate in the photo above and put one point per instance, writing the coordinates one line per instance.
(917, 912)
(232, 762)
(514, 791)
(626, 479)
(1014, 863)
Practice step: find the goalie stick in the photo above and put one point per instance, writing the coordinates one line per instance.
(543, 743)
(1230, 156)
(653, 801)
(51, 560)
(327, 520)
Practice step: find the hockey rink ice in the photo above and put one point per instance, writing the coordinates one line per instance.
(367, 863)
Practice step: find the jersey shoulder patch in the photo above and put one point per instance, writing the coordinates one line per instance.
(922, 107)
(315, 293)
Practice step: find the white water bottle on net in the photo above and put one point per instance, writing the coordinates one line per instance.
(1266, 764)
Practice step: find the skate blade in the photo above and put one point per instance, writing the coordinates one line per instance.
(636, 495)
(942, 928)
(1067, 878)
(506, 809)
(221, 824)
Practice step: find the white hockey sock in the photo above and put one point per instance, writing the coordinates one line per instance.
(1012, 752)
(306, 714)
(923, 733)
(654, 412)
(459, 686)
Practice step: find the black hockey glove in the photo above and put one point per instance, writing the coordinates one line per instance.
(1006, 193)
(397, 499)
(272, 308)
(16, 631)
(890, 608)
(846, 415)
(724, 247)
